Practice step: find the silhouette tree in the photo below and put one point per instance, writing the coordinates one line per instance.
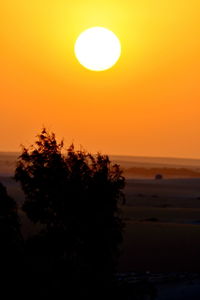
(11, 241)
(75, 197)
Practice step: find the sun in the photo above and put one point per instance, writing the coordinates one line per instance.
(97, 49)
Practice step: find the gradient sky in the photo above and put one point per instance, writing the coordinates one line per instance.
(147, 105)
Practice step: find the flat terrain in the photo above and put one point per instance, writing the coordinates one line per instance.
(162, 217)
(162, 230)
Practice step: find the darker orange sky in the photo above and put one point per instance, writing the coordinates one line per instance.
(148, 104)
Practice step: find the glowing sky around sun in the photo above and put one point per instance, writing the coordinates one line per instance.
(147, 104)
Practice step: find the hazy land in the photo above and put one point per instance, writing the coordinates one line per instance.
(162, 217)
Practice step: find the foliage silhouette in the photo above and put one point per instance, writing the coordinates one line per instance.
(75, 197)
(9, 224)
(11, 241)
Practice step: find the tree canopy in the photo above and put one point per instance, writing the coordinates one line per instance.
(75, 196)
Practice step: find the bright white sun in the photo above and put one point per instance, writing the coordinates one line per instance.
(97, 49)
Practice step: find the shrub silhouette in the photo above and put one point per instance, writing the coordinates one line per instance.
(9, 225)
(75, 197)
(11, 241)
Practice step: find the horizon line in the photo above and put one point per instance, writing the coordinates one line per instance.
(122, 155)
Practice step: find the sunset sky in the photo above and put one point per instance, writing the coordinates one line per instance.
(148, 104)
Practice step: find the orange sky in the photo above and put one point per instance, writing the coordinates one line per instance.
(148, 104)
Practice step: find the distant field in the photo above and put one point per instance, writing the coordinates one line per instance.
(148, 167)
(8, 163)
(162, 217)
(134, 167)
(162, 231)
(163, 193)
(160, 247)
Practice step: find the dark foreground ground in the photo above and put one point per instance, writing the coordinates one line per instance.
(162, 231)
(161, 237)
(162, 286)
